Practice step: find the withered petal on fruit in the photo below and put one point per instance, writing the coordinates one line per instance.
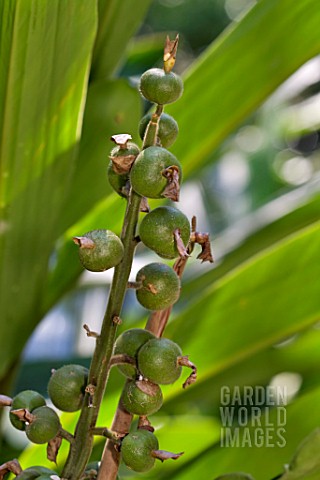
(122, 163)
(180, 245)
(12, 466)
(147, 387)
(172, 190)
(53, 448)
(23, 414)
(184, 361)
(170, 53)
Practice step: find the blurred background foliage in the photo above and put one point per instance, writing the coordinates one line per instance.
(249, 142)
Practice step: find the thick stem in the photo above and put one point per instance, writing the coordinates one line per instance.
(150, 136)
(81, 447)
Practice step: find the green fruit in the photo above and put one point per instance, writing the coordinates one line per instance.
(66, 387)
(28, 399)
(158, 361)
(48, 476)
(146, 175)
(160, 286)
(33, 473)
(160, 87)
(44, 427)
(128, 343)
(118, 182)
(141, 398)
(157, 227)
(167, 132)
(136, 450)
(100, 250)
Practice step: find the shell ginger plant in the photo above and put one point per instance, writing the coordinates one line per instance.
(143, 356)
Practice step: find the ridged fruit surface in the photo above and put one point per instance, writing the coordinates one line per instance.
(140, 402)
(28, 399)
(66, 387)
(33, 473)
(136, 450)
(160, 87)
(157, 227)
(44, 427)
(157, 361)
(106, 253)
(160, 286)
(146, 173)
(129, 343)
(117, 182)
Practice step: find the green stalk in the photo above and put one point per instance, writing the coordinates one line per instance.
(82, 445)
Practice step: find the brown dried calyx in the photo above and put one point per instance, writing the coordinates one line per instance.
(123, 157)
(170, 52)
(203, 240)
(13, 466)
(172, 190)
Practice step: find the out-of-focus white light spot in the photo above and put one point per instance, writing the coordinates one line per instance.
(236, 7)
(288, 382)
(250, 138)
(191, 203)
(301, 79)
(297, 170)
(233, 172)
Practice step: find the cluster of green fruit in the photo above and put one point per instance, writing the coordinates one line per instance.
(156, 363)
(29, 412)
(149, 172)
(154, 173)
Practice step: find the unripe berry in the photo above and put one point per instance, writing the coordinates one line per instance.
(44, 427)
(147, 173)
(99, 250)
(136, 450)
(158, 361)
(28, 399)
(141, 398)
(167, 132)
(118, 182)
(66, 387)
(129, 343)
(157, 231)
(160, 87)
(33, 473)
(160, 286)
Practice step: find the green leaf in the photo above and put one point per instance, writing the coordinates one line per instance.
(239, 71)
(262, 461)
(118, 21)
(112, 107)
(232, 311)
(306, 460)
(45, 62)
(266, 232)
